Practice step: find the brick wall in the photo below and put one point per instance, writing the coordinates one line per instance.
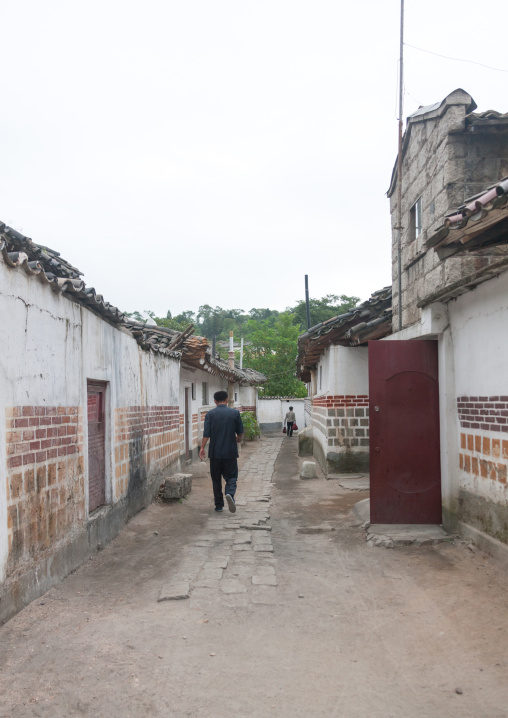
(252, 409)
(146, 438)
(45, 479)
(483, 457)
(488, 413)
(343, 419)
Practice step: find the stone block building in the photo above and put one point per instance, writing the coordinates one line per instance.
(454, 242)
(449, 153)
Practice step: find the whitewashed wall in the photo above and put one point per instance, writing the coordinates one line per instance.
(479, 328)
(271, 412)
(51, 346)
(339, 422)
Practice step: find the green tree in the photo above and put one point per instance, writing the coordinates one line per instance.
(272, 351)
(322, 309)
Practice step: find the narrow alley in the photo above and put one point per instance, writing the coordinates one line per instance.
(289, 613)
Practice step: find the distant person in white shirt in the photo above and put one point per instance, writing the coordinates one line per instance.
(290, 420)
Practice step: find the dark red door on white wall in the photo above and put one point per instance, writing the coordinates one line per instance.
(405, 471)
(96, 445)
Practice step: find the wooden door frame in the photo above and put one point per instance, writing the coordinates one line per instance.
(104, 388)
(186, 422)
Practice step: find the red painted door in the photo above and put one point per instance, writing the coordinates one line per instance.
(405, 472)
(96, 446)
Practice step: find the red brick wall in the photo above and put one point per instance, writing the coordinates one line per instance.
(484, 457)
(45, 478)
(488, 413)
(341, 401)
(144, 435)
(252, 409)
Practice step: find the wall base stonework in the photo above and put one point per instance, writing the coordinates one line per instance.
(486, 516)
(18, 592)
(341, 433)
(347, 462)
(492, 546)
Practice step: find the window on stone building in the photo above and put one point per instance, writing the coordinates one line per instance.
(415, 220)
(204, 393)
(320, 377)
(236, 397)
(193, 390)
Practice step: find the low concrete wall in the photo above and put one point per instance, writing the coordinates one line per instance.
(271, 412)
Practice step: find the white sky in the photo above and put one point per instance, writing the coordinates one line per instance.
(216, 151)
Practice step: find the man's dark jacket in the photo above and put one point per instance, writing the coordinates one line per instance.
(222, 424)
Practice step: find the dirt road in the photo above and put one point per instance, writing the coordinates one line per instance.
(304, 619)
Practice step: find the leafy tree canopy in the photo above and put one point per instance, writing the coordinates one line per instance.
(322, 309)
(272, 351)
(270, 336)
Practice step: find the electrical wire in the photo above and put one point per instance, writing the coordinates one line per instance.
(456, 59)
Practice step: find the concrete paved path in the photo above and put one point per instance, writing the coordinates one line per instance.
(231, 559)
(304, 620)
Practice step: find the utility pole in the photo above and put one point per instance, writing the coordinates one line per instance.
(399, 165)
(231, 363)
(307, 302)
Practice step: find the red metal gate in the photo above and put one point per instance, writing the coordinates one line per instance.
(96, 446)
(405, 473)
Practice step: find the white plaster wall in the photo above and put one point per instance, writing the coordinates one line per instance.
(247, 395)
(50, 347)
(298, 408)
(345, 370)
(479, 321)
(273, 411)
(479, 327)
(269, 411)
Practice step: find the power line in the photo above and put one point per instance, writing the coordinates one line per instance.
(456, 59)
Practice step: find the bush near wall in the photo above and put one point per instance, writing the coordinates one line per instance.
(250, 425)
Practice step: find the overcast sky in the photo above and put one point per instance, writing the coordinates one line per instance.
(216, 151)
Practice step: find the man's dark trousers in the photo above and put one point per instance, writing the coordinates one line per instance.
(227, 468)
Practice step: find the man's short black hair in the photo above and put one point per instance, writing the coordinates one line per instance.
(290, 408)
(220, 396)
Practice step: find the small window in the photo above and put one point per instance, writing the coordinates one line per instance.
(415, 220)
(204, 393)
(193, 390)
(236, 397)
(320, 377)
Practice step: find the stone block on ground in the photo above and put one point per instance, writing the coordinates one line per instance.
(177, 486)
(308, 470)
(174, 591)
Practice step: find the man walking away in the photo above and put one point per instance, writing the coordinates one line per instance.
(290, 420)
(224, 428)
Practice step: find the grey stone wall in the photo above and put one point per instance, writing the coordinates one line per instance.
(446, 160)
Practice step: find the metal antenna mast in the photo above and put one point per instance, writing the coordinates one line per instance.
(399, 165)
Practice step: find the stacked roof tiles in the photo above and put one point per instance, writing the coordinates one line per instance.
(370, 320)
(481, 222)
(47, 266)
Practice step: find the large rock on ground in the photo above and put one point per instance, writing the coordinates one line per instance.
(308, 470)
(177, 486)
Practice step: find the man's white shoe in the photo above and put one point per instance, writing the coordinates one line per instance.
(231, 503)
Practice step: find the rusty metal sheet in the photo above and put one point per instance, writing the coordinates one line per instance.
(405, 473)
